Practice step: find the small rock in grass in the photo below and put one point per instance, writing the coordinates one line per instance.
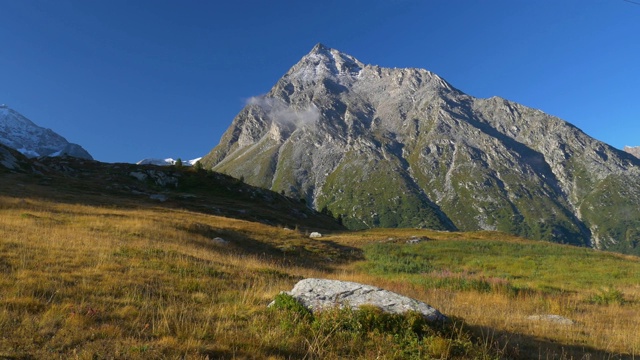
(220, 241)
(556, 319)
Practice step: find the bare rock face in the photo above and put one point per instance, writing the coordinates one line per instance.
(319, 294)
(8, 159)
(383, 147)
(633, 150)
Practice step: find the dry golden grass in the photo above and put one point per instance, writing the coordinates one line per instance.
(79, 281)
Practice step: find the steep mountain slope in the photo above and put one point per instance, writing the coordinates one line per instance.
(633, 150)
(402, 147)
(20, 133)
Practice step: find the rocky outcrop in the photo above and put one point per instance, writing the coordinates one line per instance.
(383, 147)
(319, 294)
(74, 150)
(12, 160)
(160, 178)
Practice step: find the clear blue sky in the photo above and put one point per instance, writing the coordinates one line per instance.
(157, 78)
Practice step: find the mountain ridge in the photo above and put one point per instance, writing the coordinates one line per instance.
(22, 134)
(403, 148)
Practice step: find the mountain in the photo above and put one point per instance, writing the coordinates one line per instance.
(20, 133)
(633, 150)
(389, 147)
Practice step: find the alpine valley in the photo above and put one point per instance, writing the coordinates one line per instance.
(382, 147)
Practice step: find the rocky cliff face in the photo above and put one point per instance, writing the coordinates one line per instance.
(633, 150)
(20, 133)
(402, 147)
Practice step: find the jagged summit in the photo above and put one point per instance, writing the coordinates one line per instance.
(319, 47)
(386, 147)
(22, 134)
(322, 62)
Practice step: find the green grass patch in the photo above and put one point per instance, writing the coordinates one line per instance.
(505, 266)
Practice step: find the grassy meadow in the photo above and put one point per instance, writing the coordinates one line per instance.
(94, 281)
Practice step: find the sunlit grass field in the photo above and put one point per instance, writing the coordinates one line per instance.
(100, 282)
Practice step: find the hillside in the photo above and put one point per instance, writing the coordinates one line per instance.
(67, 179)
(95, 265)
(98, 281)
(387, 147)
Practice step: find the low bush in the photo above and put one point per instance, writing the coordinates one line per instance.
(369, 332)
(607, 297)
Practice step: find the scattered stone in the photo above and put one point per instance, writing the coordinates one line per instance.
(319, 294)
(220, 241)
(556, 319)
(416, 240)
(159, 197)
(163, 179)
(315, 235)
(138, 175)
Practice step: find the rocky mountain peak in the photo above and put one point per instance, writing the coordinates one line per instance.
(322, 62)
(394, 147)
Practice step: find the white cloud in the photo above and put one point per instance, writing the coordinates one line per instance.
(280, 112)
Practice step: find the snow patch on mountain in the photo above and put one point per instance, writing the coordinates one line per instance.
(167, 161)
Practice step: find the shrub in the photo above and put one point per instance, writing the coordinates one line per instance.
(356, 333)
(284, 301)
(608, 297)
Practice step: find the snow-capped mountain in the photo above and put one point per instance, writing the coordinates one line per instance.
(20, 133)
(167, 162)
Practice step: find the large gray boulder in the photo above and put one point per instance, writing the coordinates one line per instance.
(319, 294)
